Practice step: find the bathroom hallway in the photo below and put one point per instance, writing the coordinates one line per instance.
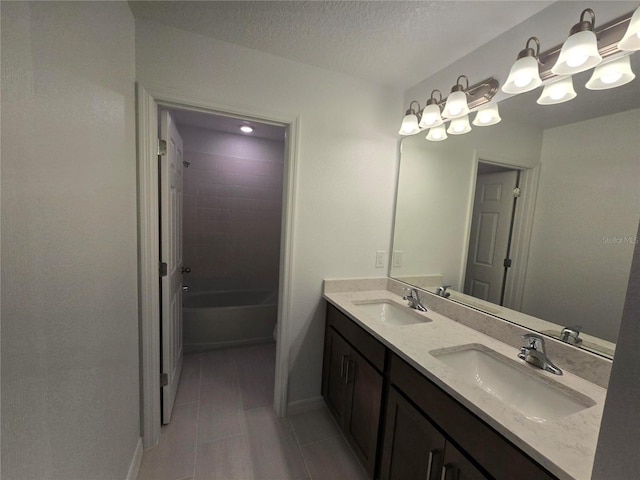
(224, 427)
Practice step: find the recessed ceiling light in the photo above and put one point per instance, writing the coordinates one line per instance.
(246, 128)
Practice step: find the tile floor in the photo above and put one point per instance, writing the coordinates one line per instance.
(223, 427)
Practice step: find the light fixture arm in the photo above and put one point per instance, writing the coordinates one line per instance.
(458, 86)
(432, 100)
(584, 25)
(530, 52)
(411, 111)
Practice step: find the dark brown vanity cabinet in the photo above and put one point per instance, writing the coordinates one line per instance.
(414, 448)
(472, 450)
(352, 383)
(427, 435)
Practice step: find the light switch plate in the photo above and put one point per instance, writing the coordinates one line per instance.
(380, 257)
(397, 258)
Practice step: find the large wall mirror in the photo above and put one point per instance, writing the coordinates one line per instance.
(534, 219)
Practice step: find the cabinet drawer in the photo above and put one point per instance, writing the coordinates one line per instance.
(361, 340)
(497, 455)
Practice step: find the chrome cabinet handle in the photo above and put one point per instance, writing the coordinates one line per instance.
(432, 455)
(186, 270)
(185, 288)
(350, 362)
(342, 366)
(446, 469)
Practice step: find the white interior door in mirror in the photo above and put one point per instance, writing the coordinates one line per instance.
(489, 239)
(171, 175)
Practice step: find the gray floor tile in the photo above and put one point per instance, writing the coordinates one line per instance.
(226, 459)
(218, 365)
(223, 427)
(275, 453)
(215, 423)
(188, 392)
(331, 459)
(314, 425)
(256, 375)
(223, 392)
(182, 428)
(168, 462)
(191, 363)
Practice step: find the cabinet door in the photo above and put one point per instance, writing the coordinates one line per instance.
(413, 449)
(363, 409)
(334, 383)
(458, 467)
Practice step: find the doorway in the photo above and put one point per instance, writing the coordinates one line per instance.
(149, 102)
(493, 217)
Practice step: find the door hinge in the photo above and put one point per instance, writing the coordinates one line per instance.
(516, 192)
(162, 147)
(163, 269)
(164, 379)
(507, 263)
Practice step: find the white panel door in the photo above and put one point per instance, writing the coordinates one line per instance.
(489, 238)
(171, 170)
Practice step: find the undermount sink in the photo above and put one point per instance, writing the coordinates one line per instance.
(515, 384)
(390, 313)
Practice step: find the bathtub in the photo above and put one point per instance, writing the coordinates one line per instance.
(228, 318)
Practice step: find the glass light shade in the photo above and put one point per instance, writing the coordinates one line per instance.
(456, 105)
(523, 76)
(611, 75)
(459, 126)
(557, 92)
(409, 125)
(487, 115)
(431, 116)
(437, 134)
(631, 40)
(579, 53)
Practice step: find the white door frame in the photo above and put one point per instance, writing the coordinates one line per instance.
(148, 98)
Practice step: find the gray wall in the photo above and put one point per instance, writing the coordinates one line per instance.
(70, 394)
(232, 210)
(617, 454)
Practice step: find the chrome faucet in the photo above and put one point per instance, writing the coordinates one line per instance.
(442, 291)
(414, 299)
(534, 353)
(571, 335)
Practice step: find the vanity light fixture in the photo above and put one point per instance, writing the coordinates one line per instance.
(431, 116)
(610, 75)
(580, 51)
(474, 97)
(631, 40)
(487, 115)
(410, 121)
(456, 105)
(524, 75)
(437, 134)
(559, 91)
(245, 128)
(459, 126)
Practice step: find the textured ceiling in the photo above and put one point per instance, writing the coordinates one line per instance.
(397, 43)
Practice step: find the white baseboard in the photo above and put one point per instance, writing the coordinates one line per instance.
(307, 405)
(134, 467)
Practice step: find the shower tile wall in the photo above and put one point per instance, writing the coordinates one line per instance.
(232, 210)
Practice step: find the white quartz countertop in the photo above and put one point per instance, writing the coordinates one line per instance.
(566, 446)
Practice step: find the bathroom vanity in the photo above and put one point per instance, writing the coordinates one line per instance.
(421, 396)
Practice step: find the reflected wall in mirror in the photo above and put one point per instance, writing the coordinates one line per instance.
(572, 231)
